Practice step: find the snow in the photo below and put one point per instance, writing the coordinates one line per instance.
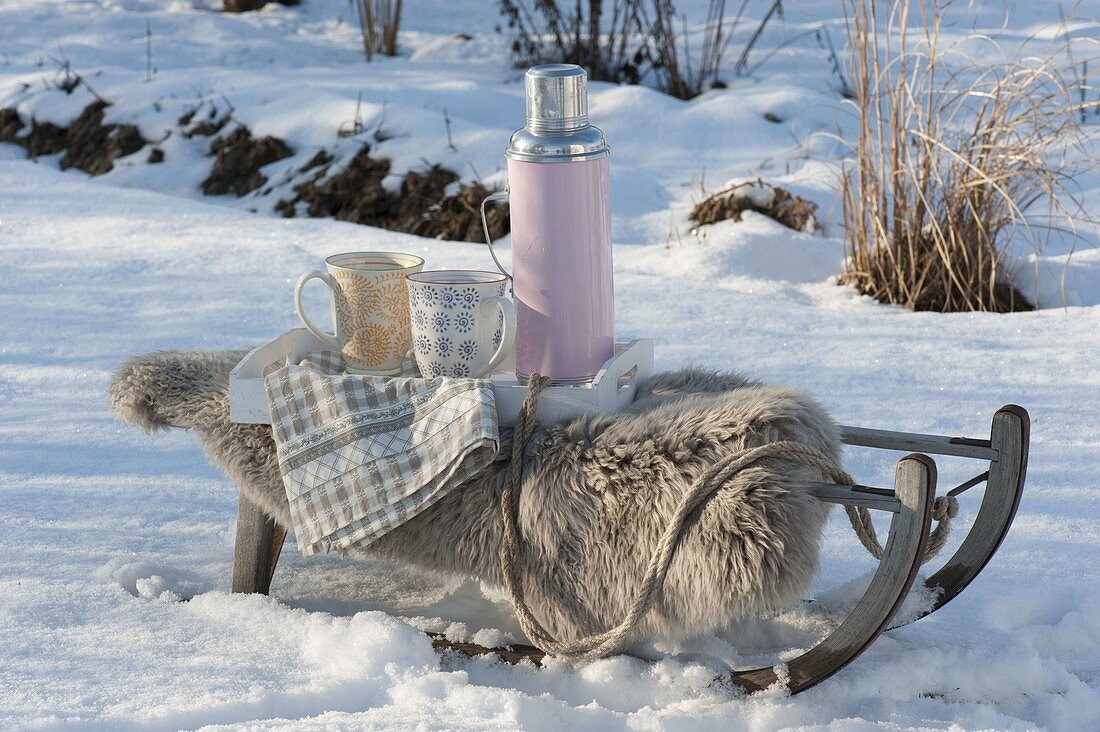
(105, 532)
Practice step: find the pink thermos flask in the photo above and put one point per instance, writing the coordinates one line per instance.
(559, 196)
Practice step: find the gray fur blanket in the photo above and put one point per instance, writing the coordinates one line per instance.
(596, 495)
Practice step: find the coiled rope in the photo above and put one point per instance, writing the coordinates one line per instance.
(610, 641)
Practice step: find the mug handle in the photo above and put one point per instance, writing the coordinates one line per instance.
(507, 338)
(336, 340)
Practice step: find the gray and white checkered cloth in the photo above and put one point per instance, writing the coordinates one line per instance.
(360, 455)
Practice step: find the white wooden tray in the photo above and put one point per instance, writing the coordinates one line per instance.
(609, 392)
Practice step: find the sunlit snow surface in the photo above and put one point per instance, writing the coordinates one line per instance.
(104, 531)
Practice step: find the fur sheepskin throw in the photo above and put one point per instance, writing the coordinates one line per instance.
(596, 495)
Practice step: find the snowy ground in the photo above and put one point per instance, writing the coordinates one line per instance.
(104, 530)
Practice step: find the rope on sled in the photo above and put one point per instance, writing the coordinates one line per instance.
(944, 509)
(610, 641)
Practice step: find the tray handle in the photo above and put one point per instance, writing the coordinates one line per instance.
(617, 382)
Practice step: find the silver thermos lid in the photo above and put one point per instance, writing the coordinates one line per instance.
(557, 98)
(557, 128)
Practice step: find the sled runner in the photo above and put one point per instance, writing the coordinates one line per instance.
(259, 541)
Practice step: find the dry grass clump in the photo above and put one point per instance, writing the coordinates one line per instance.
(422, 206)
(952, 162)
(774, 202)
(238, 158)
(630, 41)
(379, 21)
(89, 143)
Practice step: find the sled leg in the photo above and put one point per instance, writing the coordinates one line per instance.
(914, 488)
(256, 549)
(1010, 437)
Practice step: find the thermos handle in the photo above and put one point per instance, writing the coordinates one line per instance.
(498, 196)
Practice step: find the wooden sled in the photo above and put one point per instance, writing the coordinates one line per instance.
(259, 541)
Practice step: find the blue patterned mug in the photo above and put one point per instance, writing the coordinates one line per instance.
(462, 325)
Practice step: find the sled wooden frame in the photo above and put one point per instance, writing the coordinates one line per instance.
(259, 541)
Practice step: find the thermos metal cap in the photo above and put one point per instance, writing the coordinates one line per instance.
(557, 127)
(557, 98)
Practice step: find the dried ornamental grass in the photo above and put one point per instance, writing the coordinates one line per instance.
(379, 21)
(951, 164)
(634, 41)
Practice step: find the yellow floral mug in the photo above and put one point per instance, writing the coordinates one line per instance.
(370, 308)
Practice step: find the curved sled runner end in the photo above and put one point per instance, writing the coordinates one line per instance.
(915, 489)
(1010, 437)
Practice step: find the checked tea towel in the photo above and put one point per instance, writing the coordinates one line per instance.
(360, 455)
